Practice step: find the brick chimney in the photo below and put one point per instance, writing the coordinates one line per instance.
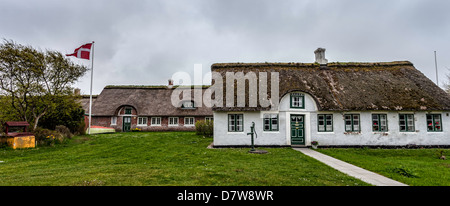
(170, 84)
(320, 56)
(76, 91)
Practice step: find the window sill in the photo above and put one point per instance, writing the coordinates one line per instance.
(240, 133)
(354, 133)
(273, 132)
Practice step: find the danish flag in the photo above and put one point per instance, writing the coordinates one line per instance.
(82, 52)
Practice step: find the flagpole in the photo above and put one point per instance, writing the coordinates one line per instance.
(90, 95)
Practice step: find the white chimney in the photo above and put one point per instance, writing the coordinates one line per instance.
(170, 84)
(320, 56)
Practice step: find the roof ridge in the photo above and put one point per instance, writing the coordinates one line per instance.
(151, 86)
(300, 64)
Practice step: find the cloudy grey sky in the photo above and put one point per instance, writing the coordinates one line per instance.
(145, 42)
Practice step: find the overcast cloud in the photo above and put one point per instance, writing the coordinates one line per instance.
(146, 42)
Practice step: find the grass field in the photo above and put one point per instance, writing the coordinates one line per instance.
(161, 158)
(415, 167)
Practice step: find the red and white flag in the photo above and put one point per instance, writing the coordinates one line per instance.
(82, 52)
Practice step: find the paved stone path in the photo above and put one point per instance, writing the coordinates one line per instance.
(349, 169)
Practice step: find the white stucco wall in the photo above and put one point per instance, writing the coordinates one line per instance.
(338, 137)
(222, 137)
(393, 137)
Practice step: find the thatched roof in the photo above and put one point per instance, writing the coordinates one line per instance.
(349, 86)
(84, 100)
(147, 100)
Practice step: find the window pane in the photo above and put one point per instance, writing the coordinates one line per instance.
(348, 127)
(348, 122)
(274, 126)
(274, 122)
(430, 122)
(355, 122)
(410, 122)
(321, 128)
(383, 122)
(231, 122)
(375, 122)
(437, 122)
(296, 102)
(239, 122)
(266, 124)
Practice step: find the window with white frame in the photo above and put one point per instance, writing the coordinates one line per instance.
(142, 121)
(270, 122)
(297, 100)
(325, 122)
(235, 122)
(379, 123)
(173, 121)
(406, 122)
(113, 120)
(434, 123)
(156, 121)
(189, 121)
(188, 105)
(352, 123)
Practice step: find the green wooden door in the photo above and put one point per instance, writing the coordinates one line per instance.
(126, 124)
(297, 129)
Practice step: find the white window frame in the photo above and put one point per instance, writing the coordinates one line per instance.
(188, 123)
(142, 123)
(113, 120)
(156, 120)
(430, 118)
(381, 122)
(188, 105)
(354, 121)
(325, 127)
(271, 117)
(236, 126)
(410, 122)
(173, 121)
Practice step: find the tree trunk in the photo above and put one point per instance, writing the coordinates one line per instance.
(36, 119)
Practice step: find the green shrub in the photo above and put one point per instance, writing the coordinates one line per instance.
(64, 131)
(47, 137)
(205, 128)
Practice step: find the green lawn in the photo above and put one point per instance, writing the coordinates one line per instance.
(161, 158)
(415, 167)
